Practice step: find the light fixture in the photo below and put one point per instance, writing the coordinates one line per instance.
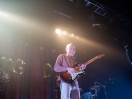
(58, 31)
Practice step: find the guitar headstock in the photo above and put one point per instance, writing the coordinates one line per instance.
(100, 56)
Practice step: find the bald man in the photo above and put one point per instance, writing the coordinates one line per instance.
(65, 62)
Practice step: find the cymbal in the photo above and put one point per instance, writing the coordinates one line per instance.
(95, 95)
(95, 87)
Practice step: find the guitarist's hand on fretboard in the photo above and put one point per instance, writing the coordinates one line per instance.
(82, 67)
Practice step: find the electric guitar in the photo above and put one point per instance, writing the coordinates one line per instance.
(69, 77)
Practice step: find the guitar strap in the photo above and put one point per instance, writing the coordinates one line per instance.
(67, 61)
(78, 64)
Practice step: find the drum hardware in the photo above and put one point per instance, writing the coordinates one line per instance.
(101, 85)
(87, 95)
(96, 89)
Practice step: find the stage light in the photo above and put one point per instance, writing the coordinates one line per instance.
(64, 32)
(72, 35)
(3, 14)
(77, 37)
(58, 31)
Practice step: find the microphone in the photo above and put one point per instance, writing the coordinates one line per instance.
(96, 25)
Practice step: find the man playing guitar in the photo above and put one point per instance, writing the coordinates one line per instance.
(65, 62)
(67, 81)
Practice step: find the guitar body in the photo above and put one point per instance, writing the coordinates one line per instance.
(70, 77)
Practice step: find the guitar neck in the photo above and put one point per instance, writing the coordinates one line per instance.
(90, 61)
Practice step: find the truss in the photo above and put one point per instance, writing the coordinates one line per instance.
(105, 11)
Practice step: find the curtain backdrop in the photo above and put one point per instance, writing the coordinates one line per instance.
(38, 81)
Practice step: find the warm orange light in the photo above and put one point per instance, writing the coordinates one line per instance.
(72, 35)
(77, 37)
(64, 32)
(58, 31)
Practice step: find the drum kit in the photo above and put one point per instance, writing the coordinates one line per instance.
(95, 89)
(93, 94)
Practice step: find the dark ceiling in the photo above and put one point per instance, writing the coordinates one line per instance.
(121, 6)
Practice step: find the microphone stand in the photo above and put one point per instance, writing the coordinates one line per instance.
(124, 43)
(96, 91)
(95, 83)
(128, 54)
(103, 87)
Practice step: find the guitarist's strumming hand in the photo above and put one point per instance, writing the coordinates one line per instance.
(72, 70)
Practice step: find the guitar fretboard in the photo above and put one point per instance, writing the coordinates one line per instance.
(90, 61)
